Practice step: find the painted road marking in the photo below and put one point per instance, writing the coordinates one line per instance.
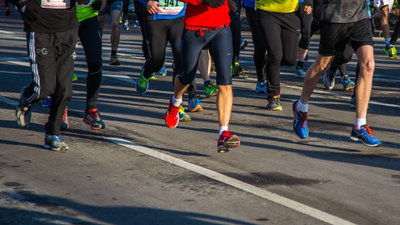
(299, 207)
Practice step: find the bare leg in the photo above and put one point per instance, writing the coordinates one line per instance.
(385, 21)
(115, 32)
(365, 55)
(204, 65)
(313, 74)
(224, 104)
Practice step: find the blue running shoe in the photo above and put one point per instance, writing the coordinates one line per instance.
(142, 84)
(46, 102)
(243, 44)
(306, 58)
(364, 134)
(194, 105)
(162, 72)
(300, 125)
(23, 112)
(347, 83)
(261, 87)
(54, 143)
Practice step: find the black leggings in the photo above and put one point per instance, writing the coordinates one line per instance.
(258, 42)
(236, 30)
(158, 32)
(140, 15)
(89, 33)
(125, 9)
(280, 31)
(305, 23)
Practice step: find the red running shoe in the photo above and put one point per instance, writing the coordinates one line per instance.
(227, 142)
(172, 115)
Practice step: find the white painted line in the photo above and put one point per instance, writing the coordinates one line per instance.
(299, 207)
(6, 32)
(8, 101)
(15, 61)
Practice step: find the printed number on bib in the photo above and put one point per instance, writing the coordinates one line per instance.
(171, 7)
(55, 4)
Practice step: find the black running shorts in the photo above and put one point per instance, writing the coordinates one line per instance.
(335, 36)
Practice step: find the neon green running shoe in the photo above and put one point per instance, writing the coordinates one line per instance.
(142, 84)
(74, 77)
(237, 70)
(210, 89)
(391, 51)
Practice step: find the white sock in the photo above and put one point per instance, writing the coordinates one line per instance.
(222, 129)
(176, 101)
(387, 42)
(360, 122)
(302, 107)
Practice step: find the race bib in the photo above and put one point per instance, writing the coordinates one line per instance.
(171, 7)
(55, 4)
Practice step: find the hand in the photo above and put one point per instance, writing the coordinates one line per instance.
(308, 9)
(213, 3)
(152, 7)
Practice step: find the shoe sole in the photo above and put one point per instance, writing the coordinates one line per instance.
(212, 94)
(92, 127)
(115, 63)
(232, 143)
(196, 109)
(279, 108)
(366, 144)
(21, 119)
(351, 86)
(62, 148)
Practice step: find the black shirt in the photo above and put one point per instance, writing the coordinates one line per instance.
(44, 20)
(344, 11)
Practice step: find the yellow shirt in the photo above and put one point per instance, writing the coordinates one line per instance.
(279, 6)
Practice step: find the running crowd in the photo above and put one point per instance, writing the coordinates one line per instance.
(203, 35)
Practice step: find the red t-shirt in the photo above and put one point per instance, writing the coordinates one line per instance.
(203, 16)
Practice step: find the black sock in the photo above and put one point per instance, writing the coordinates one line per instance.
(113, 52)
(299, 65)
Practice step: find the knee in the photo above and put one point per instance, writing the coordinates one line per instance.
(95, 67)
(274, 58)
(368, 66)
(115, 24)
(289, 60)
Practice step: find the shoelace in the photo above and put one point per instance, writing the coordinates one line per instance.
(303, 119)
(369, 130)
(93, 115)
(65, 114)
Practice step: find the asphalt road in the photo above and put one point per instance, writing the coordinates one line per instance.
(137, 171)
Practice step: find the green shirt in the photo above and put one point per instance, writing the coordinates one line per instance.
(85, 12)
(279, 6)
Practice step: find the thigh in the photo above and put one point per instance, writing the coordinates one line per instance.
(115, 11)
(334, 37)
(174, 37)
(290, 46)
(221, 52)
(156, 36)
(192, 44)
(66, 57)
(90, 36)
(271, 32)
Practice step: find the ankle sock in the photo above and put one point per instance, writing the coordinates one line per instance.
(302, 107)
(222, 129)
(359, 122)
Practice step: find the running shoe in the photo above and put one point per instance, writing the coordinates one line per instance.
(136, 24)
(162, 72)
(243, 44)
(227, 142)
(328, 78)
(46, 103)
(142, 84)
(153, 76)
(391, 51)
(261, 87)
(126, 25)
(300, 73)
(114, 60)
(364, 134)
(54, 143)
(194, 105)
(23, 112)
(172, 115)
(92, 118)
(300, 125)
(74, 78)
(65, 122)
(210, 89)
(183, 117)
(121, 18)
(274, 103)
(212, 68)
(353, 102)
(237, 70)
(306, 58)
(347, 83)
